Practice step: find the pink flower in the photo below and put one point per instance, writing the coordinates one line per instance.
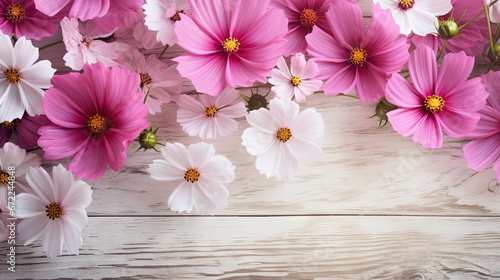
(23, 19)
(485, 149)
(349, 57)
(229, 46)
(302, 16)
(120, 13)
(4, 214)
(82, 9)
(436, 103)
(26, 127)
(207, 115)
(94, 117)
(161, 16)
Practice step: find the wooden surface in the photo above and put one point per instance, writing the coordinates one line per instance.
(376, 206)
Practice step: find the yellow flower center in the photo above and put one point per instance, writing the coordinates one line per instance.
(53, 211)
(145, 79)
(97, 123)
(211, 111)
(231, 45)
(176, 16)
(15, 12)
(192, 175)
(12, 75)
(4, 178)
(10, 125)
(434, 103)
(358, 56)
(406, 4)
(87, 44)
(308, 17)
(295, 80)
(284, 134)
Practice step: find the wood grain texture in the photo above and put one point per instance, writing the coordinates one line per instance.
(276, 248)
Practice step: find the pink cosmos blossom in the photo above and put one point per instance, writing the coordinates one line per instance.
(436, 103)
(12, 155)
(120, 13)
(348, 56)
(27, 130)
(82, 9)
(302, 16)
(485, 148)
(94, 117)
(207, 115)
(474, 32)
(161, 16)
(21, 18)
(234, 46)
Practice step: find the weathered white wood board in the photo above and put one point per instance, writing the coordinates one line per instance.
(330, 247)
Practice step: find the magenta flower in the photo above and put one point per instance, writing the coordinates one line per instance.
(82, 9)
(485, 149)
(120, 13)
(23, 19)
(27, 130)
(348, 56)
(95, 117)
(436, 103)
(302, 16)
(234, 46)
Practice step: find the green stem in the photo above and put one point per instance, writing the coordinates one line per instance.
(442, 49)
(486, 10)
(348, 95)
(163, 52)
(146, 97)
(51, 44)
(34, 149)
(257, 86)
(480, 13)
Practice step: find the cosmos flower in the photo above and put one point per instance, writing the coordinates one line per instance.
(348, 56)
(234, 46)
(12, 155)
(417, 16)
(161, 16)
(120, 13)
(22, 80)
(4, 214)
(206, 115)
(54, 209)
(94, 117)
(436, 103)
(494, 11)
(81, 9)
(27, 130)
(297, 81)
(281, 137)
(201, 173)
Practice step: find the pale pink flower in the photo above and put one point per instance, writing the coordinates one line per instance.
(54, 209)
(235, 45)
(201, 173)
(146, 37)
(417, 16)
(208, 116)
(281, 137)
(494, 11)
(436, 103)
(120, 13)
(82, 9)
(12, 155)
(161, 16)
(4, 214)
(348, 56)
(22, 79)
(297, 81)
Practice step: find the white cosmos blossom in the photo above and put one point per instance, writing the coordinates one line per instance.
(21, 79)
(161, 16)
(55, 208)
(296, 81)
(417, 16)
(13, 155)
(281, 137)
(200, 174)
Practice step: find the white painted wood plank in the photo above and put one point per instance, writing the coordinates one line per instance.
(280, 247)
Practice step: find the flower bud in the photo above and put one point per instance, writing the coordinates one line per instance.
(256, 101)
(492, 57)
(448, 29)
(381, 110)
(147, 139)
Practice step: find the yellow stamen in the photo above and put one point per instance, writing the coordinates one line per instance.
(12, 75)
(211, 111)
(10, 125)
(4, 178)
(145, 79)
(176, 16)
(295, 80)
(87, 44)
(358, 56)
(53, 211)
(231, 45)
(308, 17)
(284, 134)
(434, 103)
(406, 4)
(97, 123)
(192, 175)
(15, 12)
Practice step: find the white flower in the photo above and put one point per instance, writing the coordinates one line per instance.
(281, 137)
(55, 209)
(494, 11)
(209, 115)
(13, 155)
(161, 16)
(419, 16)
(295, 81)
(201, 173)
(22, 79)
(4, 214)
